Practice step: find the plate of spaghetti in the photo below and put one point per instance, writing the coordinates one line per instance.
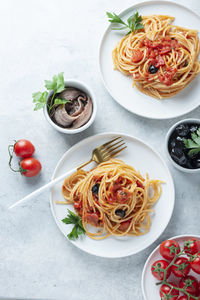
(120, 206)
(149, 59)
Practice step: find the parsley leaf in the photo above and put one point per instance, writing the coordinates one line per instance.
(133, 22)
(40, 99)
(57, 85)
(113, 18)
(194, 143)
(78, 229)
(60, 101)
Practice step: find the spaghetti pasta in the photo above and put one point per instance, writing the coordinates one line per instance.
(113, 197)
(161, 58)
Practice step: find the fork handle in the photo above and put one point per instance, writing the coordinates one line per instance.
(84, 164)
(44, 187)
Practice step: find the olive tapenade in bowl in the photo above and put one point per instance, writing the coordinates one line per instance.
(69, 106)
(183, 145)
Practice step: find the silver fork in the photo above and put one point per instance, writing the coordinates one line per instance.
(100, 154)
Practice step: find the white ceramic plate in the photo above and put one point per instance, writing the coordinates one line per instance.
(142, 158)
(120, 86)
(149, 288)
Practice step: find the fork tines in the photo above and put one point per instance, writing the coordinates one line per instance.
(112, 148)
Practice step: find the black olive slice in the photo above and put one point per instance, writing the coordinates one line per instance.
(95, 188)
(153, 69)
(120, 212)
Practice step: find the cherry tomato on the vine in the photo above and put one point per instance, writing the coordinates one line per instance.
(192, 246)
(30, 167)
(168, 249)
(181, 267)
(190, 284)
(186, 298)
(158, 267)
(195, 263)
(24, 148)
(167, 292)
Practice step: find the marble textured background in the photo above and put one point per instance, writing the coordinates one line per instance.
(38, 40)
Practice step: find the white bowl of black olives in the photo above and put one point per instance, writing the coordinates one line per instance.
(183, 145)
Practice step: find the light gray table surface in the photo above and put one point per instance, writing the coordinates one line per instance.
(40, 39)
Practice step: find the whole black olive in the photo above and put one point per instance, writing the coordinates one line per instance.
(193, 128)
(196, 163)
(120, 212)
(173, 143)
(179, 139)
(95, 188)
(182, 130)
(153, 69)
(179, 156)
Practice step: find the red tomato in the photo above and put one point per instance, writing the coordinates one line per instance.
(165, 50)
(122, 195)
(186, 298)
(154, 45)
(166, 292)
(124, 225)
(78, 205)
(92, 218)
(168, 249)
(137, 55)
(191, 284)
(30, 167)
(139, 184)
(24, 148)
(174, 44)
(136, 75)
(159, 61)
(195, 263)
(158, 267)
(182, 267)
(168, 76)
(191, 246)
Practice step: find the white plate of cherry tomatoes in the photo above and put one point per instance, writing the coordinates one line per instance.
(172, 271)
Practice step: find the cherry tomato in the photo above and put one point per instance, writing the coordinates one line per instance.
(191, 246)
(124, 225)
(24, 148)
(168, 248)
(158, 267)
(137, 55)
(78, 205)
(165, 50)
(92, 218)
(30, 167)
(139, 184)
(168, 76)
(122, 195)
(166, 292)
(191, 284)
(195, 263)
(186, 298)
(182, 267)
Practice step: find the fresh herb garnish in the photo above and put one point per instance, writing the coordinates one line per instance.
(78, 229)
(194, 143)
(57, 85)
(133, 22)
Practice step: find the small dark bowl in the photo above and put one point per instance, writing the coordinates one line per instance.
(169, 133)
